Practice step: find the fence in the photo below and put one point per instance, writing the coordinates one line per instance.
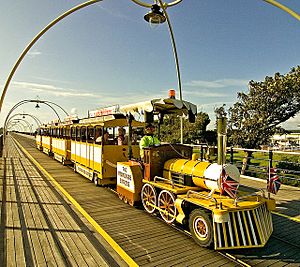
(256, 163)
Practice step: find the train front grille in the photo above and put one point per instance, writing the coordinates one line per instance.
(245, 229)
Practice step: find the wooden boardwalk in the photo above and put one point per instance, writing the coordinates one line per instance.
(38, 227)
(147, 240)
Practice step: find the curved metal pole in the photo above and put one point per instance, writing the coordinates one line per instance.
(16, 125)
(284, 8)
(36, 38)
(174, 47)
(19, 123)
(176, 62)
(53, 110)
(21, 103)
(37, 121)
(28, 124)
(18, 120)
(27, 101)
(46, 101)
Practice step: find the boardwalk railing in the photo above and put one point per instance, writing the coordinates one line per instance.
(255, 163)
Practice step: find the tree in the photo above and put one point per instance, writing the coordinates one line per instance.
(258, 114)
(192, 132)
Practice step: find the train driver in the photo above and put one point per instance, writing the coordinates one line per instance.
(149, 139)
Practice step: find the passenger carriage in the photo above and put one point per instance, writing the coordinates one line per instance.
(93, 158)
(43, 139)
(61, 143)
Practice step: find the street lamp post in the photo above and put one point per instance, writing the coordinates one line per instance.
(158, 17)
(37, 121)
(284, 8)
(30, 101)
(36, 38)
(36, 101)
(18, 120)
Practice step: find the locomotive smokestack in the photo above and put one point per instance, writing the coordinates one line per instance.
(221, 128)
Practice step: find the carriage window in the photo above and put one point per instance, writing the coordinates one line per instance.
(90, 134)
(98, 134)
(67, 133)
(83, 134)
(73, 133)
(77, 133)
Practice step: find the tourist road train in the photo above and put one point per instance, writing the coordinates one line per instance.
(201, 196)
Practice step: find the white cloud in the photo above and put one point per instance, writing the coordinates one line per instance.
(217, 83)
(53, 90)
(292, 123)
(204, 93)
(34, 53)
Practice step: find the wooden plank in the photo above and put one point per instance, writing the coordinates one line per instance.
(10, 237)
(19, 246)
(42, 234)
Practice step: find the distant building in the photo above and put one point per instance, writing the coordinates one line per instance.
(286, 141)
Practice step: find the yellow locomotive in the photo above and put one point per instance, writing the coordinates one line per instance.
(199, 195)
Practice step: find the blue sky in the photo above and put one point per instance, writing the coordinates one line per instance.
(107, 54)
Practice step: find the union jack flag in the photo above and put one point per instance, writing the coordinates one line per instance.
(274, 183)
(228, 185)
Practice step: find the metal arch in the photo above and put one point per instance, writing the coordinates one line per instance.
(24, 126)
(11, 127)
(37, 121)
(53, 110)
(36, 38)
(30, 101)
(24, 102)
(46, 101)
(284, 8)
(166, 5)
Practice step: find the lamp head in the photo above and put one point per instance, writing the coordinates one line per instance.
(155, 16)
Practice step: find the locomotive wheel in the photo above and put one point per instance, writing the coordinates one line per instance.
(148, 195)
(166, 202)
(201, 228)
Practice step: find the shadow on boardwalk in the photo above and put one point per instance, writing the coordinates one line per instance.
(283, 246)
